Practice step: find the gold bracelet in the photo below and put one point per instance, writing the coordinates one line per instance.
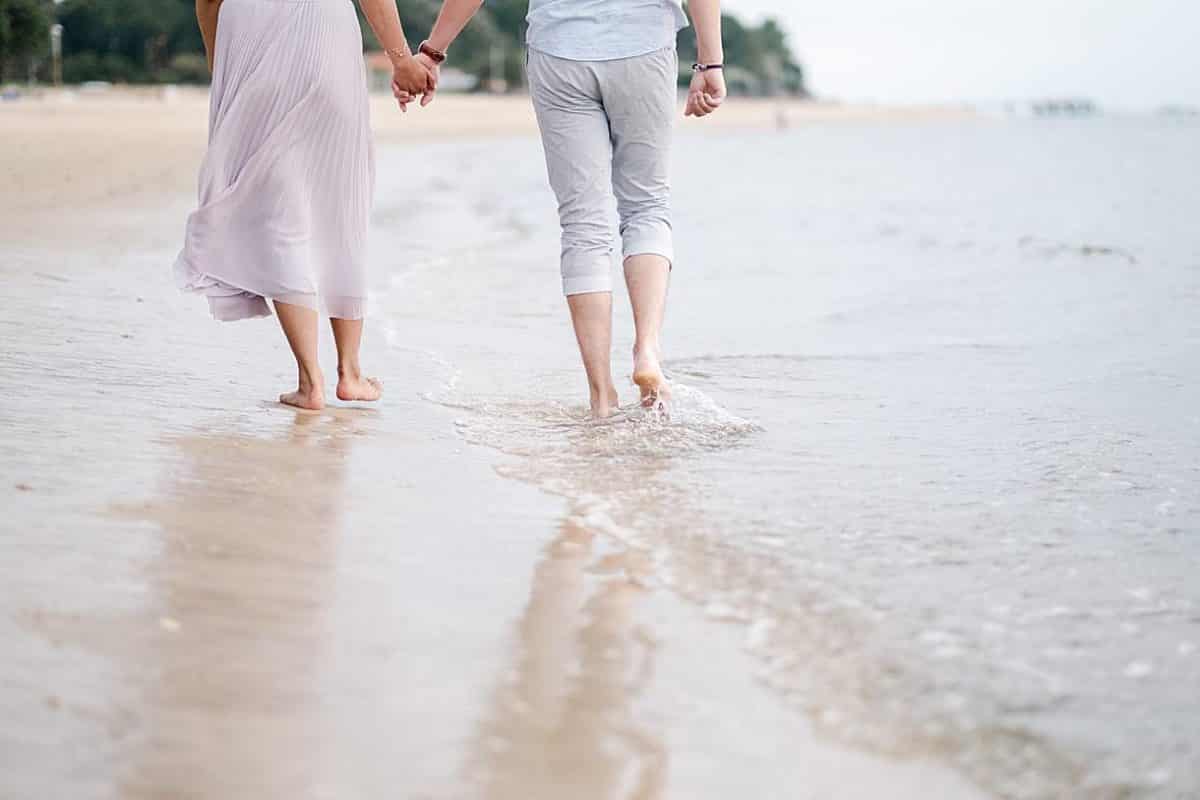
(398, 52)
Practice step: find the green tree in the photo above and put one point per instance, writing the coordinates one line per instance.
(758, 59)
(24, 35)
(157, 40)
(132, 40)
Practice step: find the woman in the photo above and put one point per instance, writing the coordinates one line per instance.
(602, 75)
(285, 189)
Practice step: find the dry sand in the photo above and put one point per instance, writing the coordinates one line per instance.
(72, 147)
(208, 595)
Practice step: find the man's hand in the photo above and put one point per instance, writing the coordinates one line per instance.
(435, 71)
(410, 78)
(706, 93)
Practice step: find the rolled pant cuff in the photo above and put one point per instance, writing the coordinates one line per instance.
(587, 272)
(587, 284)
(658, 243)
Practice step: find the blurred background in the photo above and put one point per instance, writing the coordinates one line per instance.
(1069, 55)
(156, 41)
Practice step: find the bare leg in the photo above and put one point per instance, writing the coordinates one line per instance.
(300, 327)
(352, 385)
(647, 278)
(591, 314)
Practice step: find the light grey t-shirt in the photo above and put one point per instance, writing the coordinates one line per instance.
(603, 30)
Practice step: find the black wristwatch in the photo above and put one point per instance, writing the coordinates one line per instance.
(437, 56)
(706, 67)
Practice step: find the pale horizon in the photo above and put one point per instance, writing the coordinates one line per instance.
(937, 51)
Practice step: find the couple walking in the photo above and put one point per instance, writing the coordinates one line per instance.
(285, 189)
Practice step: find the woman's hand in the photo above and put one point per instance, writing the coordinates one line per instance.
(404, 98)
(411, 77)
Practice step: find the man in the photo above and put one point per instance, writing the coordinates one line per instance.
(603, 75)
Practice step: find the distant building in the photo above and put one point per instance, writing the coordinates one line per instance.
(1179, 111)
(1064, 107)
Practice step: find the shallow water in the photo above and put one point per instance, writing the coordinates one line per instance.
(936, 439)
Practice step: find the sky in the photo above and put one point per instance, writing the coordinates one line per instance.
(1125, 54)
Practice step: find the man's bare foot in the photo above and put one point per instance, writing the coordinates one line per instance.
(648, 375)
(604, 403)
(310, 395)
(356, 386)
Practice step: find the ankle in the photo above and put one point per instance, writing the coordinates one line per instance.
(603, 402)
(349, 371)
(311, 377)
(646, 347)
(601, 390)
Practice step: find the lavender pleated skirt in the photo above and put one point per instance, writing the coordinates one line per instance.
(285, 188)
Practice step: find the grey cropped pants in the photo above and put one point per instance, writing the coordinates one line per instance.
(606, 129)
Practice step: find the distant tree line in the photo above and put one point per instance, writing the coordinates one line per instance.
(24, 36)
(156, 41)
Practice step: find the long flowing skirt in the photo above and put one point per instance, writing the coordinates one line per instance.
(286, 185)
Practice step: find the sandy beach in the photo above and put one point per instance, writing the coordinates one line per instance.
(209, 595)
(75, 147)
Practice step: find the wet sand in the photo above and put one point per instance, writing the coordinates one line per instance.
(209, 595)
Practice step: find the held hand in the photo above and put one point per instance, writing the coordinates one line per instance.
(410, 78)
(435, 72)
(706, 93)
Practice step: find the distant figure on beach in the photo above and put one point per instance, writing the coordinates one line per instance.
(603, 77)
(285, 188)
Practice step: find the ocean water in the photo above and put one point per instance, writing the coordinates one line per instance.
(935, 446)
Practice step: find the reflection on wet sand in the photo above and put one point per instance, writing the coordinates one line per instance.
(232, 703)
(563, 723)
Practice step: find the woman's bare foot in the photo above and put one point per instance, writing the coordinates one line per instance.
(355, 386)
(310, 395)
(604, 403)
(648, 375)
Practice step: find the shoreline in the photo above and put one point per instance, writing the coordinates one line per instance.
(59, 141)
(356, 599)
